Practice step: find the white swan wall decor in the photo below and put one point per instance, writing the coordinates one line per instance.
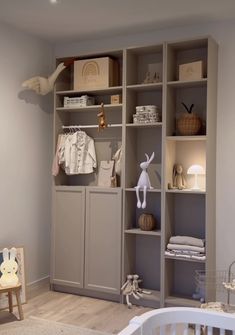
(43, 85)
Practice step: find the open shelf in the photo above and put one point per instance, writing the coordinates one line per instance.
(181, 301)
(148, 300)
(185, 259)
(143, 232)
(93, 108)
(185, 153)
(187, 138)
(98, 91)
(188, 83)
(145, 87)
(187, 191)
(144, 125)
(142, 60)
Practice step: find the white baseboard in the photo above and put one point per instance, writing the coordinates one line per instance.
(34, 288)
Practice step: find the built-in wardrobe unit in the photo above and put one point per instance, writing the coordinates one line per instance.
(96, 240)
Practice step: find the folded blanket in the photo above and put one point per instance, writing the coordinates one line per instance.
(172, 246)
(186, 252)
(188, 240)
(201, 257)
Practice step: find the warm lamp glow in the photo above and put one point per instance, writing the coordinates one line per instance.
(196, 170)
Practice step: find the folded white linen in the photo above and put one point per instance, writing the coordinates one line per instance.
(199, 257)
(186, 252)
(187, 240)
(172, 246)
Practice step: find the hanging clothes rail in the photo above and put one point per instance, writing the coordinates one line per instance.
(91, 126)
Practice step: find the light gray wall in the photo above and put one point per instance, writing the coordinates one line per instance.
(224, 34)
(25, 150)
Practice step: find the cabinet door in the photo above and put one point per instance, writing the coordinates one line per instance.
(68, 236)
(103, 240)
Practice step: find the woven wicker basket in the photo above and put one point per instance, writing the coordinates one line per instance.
(189, 124)
(147, 222)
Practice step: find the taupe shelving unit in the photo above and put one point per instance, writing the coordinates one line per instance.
(185, 212)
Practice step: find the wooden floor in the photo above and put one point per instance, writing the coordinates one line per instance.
(85, 312)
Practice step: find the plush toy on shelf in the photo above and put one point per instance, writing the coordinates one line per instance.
(128, 290)
(139, 291)
(9, 268)
(101, 118)
(178, 177)
(131, 288)
(144, 182)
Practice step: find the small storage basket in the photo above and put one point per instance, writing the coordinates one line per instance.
(82, 101)
(147, 114)
(189, 124)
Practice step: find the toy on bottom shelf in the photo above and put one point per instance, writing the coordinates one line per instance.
(144, 182)
(131, 288)
(9, 268)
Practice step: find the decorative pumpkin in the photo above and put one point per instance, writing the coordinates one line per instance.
(189, 123)
(147, 222)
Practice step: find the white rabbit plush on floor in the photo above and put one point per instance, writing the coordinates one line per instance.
(9, 268)
(144, 181)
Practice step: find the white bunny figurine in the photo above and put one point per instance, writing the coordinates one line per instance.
(9, 268)
(143, 182)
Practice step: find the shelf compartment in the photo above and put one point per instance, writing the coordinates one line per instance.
(88, 116)
(188, 83)
(138, 142)
(144, 125)
(180, 278)
(141, 98)
(143, 253)
(154, 190)
(185, 215)
(138, 231)
(174, 109)
(185, 52)
(185, 153)
(65, 81)
(145, 87)
(132, 214)
(94, 108)
(98, 91)
(143, 60)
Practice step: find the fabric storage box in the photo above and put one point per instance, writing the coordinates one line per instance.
(82, 101)
(191, 71)
(147, 114)
(95, 73)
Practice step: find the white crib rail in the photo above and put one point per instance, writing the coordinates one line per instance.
(147, 323)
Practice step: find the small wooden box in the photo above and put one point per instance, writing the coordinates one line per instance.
(116, 99)
(95, 73)
(191, 71)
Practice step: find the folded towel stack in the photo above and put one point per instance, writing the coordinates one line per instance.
(186, 247)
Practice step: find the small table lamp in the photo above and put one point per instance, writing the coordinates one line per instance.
(196, 170)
